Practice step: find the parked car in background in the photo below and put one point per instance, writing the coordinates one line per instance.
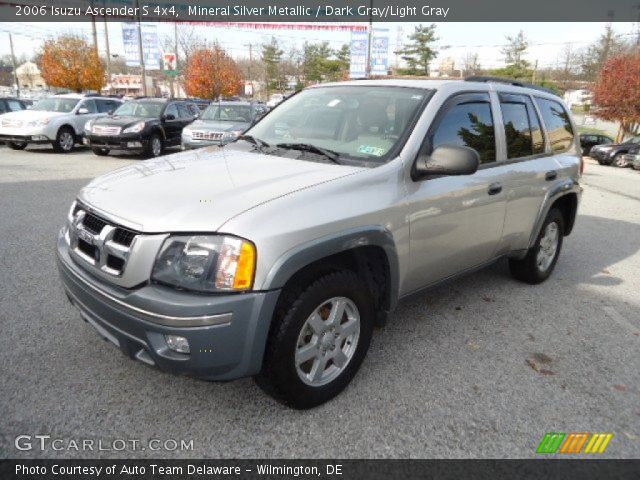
(590, 140)
(614, 153)
(221, 123)
(58, 120)
(10, 104)
(633, 157)
(146, 126)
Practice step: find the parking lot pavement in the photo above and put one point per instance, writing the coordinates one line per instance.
(482, 367)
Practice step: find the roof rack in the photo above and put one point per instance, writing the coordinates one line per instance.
(509, 81)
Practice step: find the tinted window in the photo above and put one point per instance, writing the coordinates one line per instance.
(468, 125)
(140, 109)
(15, 105)
(184, 112)
(55, 104)
(193, 108)
(556, 120)
(172, 110)
(89, 105)
(521, 126)
(106, 106)
(3, 109)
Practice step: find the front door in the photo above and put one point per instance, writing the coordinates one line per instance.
(456, 222)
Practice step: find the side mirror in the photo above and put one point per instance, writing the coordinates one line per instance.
(83, 111)
(448, 160)
(170, 116)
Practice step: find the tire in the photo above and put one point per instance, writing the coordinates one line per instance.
(619, 161)
(65, 140)
(152, 149)
(291, 380)
(531, 269)
(103, 152)
(17, 145)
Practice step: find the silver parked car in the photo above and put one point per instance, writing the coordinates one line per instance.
(276, 256)
(58, 120)
(220, 123)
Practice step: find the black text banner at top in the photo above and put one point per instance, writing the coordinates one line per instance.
(320, 11)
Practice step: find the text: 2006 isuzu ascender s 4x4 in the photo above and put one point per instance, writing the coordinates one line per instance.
(276, 256)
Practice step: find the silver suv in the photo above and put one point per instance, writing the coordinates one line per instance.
(276, 256)
(58, 120)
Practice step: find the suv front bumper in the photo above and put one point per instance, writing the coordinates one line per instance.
(227, 343)
(127, 142)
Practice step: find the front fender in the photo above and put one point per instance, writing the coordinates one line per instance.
(307, 253)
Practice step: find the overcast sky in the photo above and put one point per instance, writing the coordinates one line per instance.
(547, 40)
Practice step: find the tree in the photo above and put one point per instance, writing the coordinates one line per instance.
(470, 64)
(211, 73)
(593, 58)
(272, 57)
(514, 51)
(617, 93)
(420, 52)
(70, 62)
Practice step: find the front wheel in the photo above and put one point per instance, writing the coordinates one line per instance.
(319, 337)
(17, 145)
(541, 259)
(65, 140)
(620, 161)
(154, 147)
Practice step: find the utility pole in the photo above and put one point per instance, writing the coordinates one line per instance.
(13, 61)
(173, 82)
(250, 45)
(95, 32)
(140, 50)
(369, 40)
(106, 41)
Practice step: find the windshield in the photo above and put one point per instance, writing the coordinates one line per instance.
(227, 113)
(356, 122)
(56, 104)
(140, 109)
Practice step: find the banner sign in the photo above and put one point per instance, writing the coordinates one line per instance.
(150, 48)
(379, 53)
(358, 54)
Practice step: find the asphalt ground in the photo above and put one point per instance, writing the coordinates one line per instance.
(482, 367)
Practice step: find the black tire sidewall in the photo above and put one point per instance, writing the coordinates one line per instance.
(149, 151)
(280, 365)
(103, 152)
(57, 146)
(553, 216)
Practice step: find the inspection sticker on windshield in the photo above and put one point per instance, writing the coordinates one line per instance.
(377, 151)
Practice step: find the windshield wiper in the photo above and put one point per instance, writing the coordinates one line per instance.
(256, 141)
(308, 147)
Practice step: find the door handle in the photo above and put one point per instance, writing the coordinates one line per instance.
(495, 188)
(551, 175)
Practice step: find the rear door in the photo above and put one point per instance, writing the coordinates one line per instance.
(172, 124)
(456, 222)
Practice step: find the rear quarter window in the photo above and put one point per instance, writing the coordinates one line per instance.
(557, 123)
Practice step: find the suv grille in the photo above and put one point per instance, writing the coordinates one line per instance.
(98, 242)
(202, 135)
(103, 130)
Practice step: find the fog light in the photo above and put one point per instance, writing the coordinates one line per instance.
(177, 343)
(134, 144)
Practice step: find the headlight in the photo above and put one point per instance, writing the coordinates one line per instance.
(186, 133)
(39, 123)
(138, 127)
(206, 263)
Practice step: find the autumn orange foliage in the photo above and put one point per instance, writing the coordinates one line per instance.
(211, 73)
(70, 62)
(617, 93)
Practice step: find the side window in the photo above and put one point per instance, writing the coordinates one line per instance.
(106, 106)
(468, 125)
(14, 105)
(184, 112)
(89, 105)
(172, 110)
(3, 108)
(556, 121)
(521, 126)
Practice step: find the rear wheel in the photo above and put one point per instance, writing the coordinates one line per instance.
(65, 140)
(17, 145)
(541, 259)
(620, 161)
(319, 337)
(100, 151)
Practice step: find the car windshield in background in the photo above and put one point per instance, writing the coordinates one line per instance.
(53, 104)
(227, 113)
(139, 109)
(356, 122)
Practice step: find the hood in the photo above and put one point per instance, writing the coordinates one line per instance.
(121, 121)
(218, 126)
(199, 190)
(30, 115)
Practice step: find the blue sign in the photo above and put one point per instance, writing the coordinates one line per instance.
(360, 50)
(150, 50)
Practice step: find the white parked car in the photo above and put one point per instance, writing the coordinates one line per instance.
(58, 120)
